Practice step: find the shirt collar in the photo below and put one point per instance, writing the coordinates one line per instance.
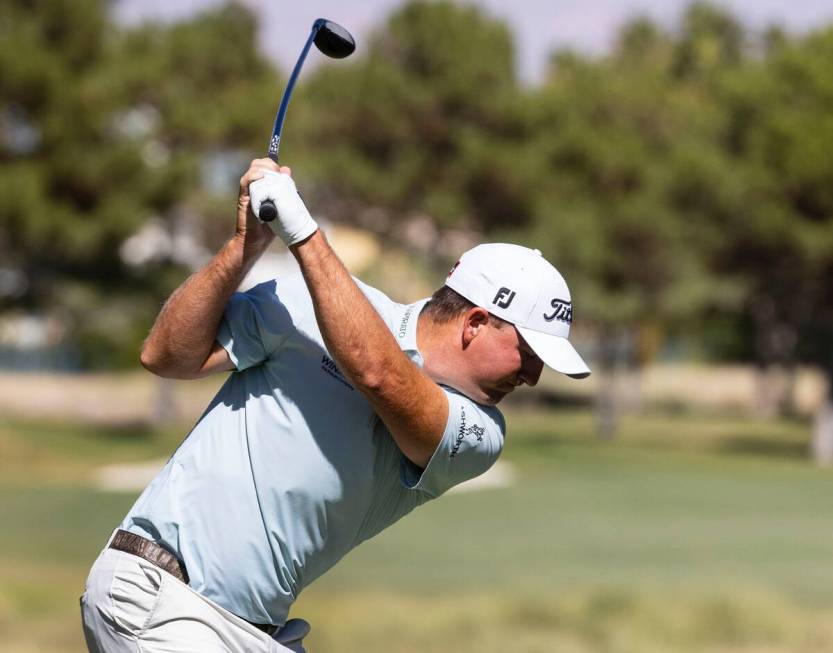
(406, 327)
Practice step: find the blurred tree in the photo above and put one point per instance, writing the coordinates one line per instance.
(69, 190)
(780, 242)
(686, 178)
(682, 183)
(413, 125)
(611, 134)
(102, 129)
(815, 347)
(711, 39)
(766, 207)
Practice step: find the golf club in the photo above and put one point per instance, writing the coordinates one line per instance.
(334, 41)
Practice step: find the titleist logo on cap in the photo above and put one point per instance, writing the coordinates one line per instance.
(562, 311)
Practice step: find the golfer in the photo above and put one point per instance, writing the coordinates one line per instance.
(344, 411)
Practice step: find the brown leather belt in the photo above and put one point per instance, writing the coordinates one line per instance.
(150, 551)
(144, 548)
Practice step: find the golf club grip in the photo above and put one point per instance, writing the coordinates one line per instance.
(268, 211)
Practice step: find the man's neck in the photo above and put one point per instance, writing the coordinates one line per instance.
(441, 352)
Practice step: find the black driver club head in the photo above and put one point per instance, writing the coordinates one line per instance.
(333, 40)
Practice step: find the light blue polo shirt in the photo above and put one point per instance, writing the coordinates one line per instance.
(289, 468)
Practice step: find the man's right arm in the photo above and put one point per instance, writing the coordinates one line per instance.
(182, 343)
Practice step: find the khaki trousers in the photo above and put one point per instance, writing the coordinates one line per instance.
(131, 606)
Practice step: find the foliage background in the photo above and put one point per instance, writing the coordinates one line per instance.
(682, 182)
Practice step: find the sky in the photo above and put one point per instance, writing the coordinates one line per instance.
(539, 26)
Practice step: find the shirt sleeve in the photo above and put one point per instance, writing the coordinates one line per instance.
(255, 323)
(471, 443)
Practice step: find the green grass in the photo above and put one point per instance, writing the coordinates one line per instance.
(42, 454)
(688, 533)
(618, 514)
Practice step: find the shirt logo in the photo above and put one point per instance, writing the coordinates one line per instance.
(504, 297)
(403, 325)
(330, 367)
(461, 433)
(476, 431)
(464, 431)
(563, 311)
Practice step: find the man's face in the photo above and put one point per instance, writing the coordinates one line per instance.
(501, 360)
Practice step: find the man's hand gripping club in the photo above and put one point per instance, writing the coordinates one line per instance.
(294, 223)
(181, 344)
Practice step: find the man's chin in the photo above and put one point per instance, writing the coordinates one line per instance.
(484, 396)
(493, 397)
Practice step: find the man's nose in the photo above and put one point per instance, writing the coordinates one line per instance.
(531, 370)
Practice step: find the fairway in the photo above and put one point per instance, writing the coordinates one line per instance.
(685, 534)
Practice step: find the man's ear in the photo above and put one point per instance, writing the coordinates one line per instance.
(474, 322)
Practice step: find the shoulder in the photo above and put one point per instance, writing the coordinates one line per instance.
(389, 310)
(288, 295)
(470, 445)
(473, 418)
(286, 287)
(381, 302)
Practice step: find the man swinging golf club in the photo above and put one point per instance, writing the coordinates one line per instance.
(343, 412)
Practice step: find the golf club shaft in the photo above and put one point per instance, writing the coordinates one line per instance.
(275, 141)
(337, 43)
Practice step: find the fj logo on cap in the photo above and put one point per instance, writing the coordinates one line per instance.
(504, 297)
(563, 311)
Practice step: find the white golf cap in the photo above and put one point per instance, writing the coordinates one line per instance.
(519, 285)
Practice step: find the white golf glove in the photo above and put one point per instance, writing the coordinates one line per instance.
(294, 223)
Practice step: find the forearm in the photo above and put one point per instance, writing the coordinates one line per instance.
(185, 330)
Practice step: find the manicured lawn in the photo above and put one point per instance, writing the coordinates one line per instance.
(688, 533)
